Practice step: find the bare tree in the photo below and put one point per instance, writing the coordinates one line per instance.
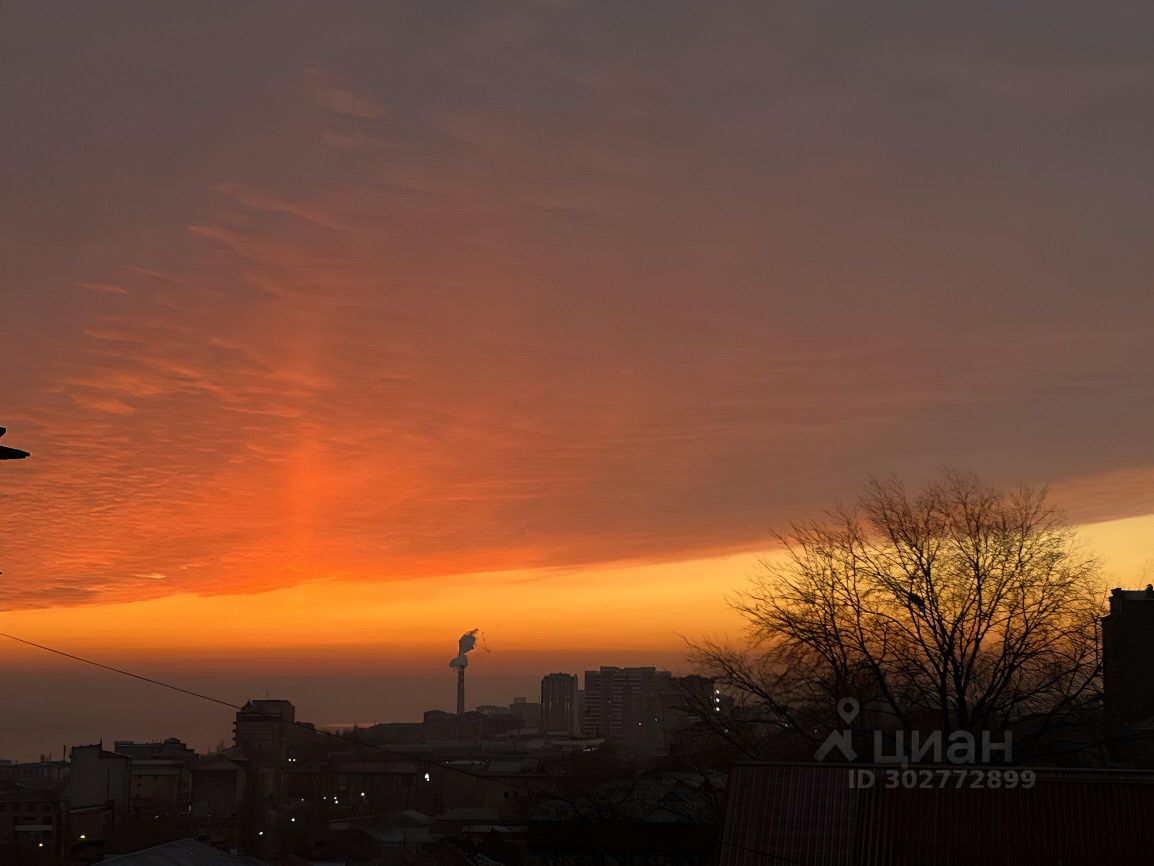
(959, 607)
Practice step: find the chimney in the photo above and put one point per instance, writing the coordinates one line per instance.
(464, 646)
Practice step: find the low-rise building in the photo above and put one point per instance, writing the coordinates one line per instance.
(34, 773)
(161, 777)
(218, 793)
(32, 819)
(99, 791)
(527, 713)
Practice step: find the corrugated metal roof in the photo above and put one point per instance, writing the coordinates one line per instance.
(809, 814)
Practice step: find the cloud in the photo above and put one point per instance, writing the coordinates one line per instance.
(340, 100)
(271, 204)
(589, 301)
(105, 288)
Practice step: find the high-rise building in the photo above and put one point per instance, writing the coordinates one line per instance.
(1128, 656)
(559, 707)
(1127, 684)
(626, 704)
(643, 707)
(262, 730)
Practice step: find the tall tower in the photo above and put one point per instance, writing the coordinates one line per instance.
(464, 645)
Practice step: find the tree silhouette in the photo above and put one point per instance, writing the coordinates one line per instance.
(957, 608)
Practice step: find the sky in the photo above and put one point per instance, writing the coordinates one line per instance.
(337, 329)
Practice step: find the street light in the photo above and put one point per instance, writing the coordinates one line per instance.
(7, 453)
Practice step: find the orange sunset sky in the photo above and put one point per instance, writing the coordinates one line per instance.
(337, 329)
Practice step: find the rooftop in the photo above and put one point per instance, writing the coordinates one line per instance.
(186, 852)
(1118, 596)
(1146, 594)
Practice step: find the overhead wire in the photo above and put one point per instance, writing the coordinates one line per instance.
(422, 759)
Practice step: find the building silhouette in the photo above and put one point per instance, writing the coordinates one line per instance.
(99, 791)
(32, 820)
(161, 776)
(1127, 684)
(262, 730)
(527, 713)
(626, 705)
(559, 711)
(1128, 656)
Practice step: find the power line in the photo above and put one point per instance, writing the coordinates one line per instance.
(123, 672)
(201, 696)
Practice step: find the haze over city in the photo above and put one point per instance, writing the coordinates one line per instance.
(335, 330)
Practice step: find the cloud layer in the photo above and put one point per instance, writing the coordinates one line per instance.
(402, 293)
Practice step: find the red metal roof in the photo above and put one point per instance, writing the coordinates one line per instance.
(809, 814)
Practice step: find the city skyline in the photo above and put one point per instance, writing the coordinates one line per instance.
(204, 725)
(387, 322)
(668, 433)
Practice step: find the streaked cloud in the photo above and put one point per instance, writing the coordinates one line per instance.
(340, 100)
(107, 288)
(556, 288)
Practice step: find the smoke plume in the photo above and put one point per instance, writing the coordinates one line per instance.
(465, 644)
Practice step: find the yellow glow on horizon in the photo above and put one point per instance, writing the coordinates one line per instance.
(1126, 547)
(636, 607)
